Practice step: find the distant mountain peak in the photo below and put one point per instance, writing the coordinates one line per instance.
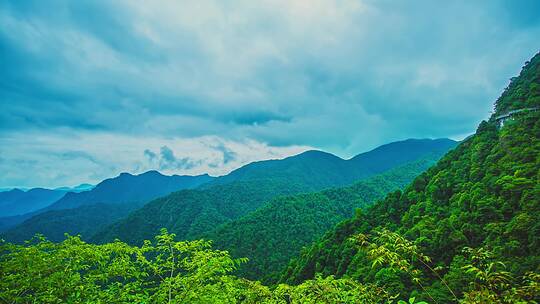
(16, 190)
(151, 172)
(409, 143)
(17, 201)
(315, 153)
(78, 188)
(126, 188)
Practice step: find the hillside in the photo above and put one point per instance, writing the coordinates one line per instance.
(87, 212)
(85, 220)
(203, 210)
(522, 91)
(320, 170)
(485, 194)
(273, 234)
(191, 213)
(17, 202)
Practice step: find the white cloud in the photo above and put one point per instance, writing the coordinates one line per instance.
(66, 158)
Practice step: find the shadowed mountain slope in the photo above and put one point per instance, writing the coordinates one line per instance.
(18, 202)
(130, 188)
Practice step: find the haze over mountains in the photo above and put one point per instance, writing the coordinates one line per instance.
(17, 202)
(76, 189)
(126, 190)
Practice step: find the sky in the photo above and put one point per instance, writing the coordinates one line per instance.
(89, 89)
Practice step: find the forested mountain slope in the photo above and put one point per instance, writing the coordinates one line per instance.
(72, 215)
(485, 194)
(321, 170)
(191, 213)
(8, 222)
(273, 234)
(85, 220)
(131, 188)
(87, 212)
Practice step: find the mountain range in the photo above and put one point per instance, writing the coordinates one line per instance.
(126, 191)
(17, 202)
(212, 201)
(191, 213)
(319, 170)
(20, 201)
(127, 188)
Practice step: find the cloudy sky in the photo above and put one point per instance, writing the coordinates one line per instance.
(89, 89)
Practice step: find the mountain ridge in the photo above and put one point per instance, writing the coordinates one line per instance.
(18, 202)
(127, 187)
(345, 171)
(189, 213)
(126, 190)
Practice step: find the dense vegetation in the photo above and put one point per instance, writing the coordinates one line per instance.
(165, 271)
(522, 91)
(84, 220)
(484, 195)
(273, 234)
(189, 213)
(168, 271)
